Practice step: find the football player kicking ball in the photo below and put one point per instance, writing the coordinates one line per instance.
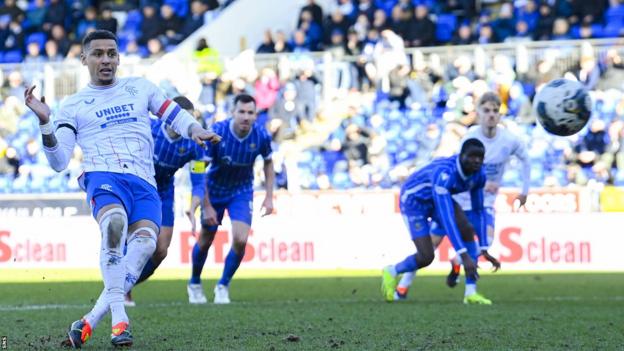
(500, 146)
(230, 186)
(427, 193)
(172, 152)
(110, 121)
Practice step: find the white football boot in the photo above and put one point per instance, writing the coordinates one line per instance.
(196, 294)
(222, 296)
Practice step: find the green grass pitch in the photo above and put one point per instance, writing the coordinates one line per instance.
(531, 311)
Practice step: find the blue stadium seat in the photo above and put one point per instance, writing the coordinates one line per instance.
(13, 56)
(5, 183)
(445, 27)
(180, 7)
(37, 37)
(133, 21)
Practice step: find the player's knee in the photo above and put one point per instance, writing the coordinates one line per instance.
(145, 237)
(113, 226)
(239, 245)
(425, 258)
(160, 254)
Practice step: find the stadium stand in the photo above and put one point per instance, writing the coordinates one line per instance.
(390, 96)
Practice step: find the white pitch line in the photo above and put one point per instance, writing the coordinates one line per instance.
(17, 308)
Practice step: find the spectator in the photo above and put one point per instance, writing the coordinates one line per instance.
(281, 44)
(545, 23)
(504, 25)
(366, 8)
(421, 30)
(55, 15)
(15, 86)
(52, 52)
(361, 26)
(207, 58)
(337, 21)
(196, 20)
(284, 114)
(11, 9)
(529, 13)
(33, 54)
(305, 86)
(172, 26)
(463, 35)
(267, 46)
(313, 31)
(35, 15)
(107, 21)
(266, 89)
(132, 53)
(59, 36)
(300, 43)
(12, 37)
(584, 11)
(398, 23)
(561, 30)
(380, 20)
(88, 22)
(355, 145)
(151, 25)
(9, 161)
(486, 35)
(73, 55)
(315, 10)
(155, 49)
(522, 33)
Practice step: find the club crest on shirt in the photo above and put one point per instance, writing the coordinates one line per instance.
(252, 146)
(131, 90)
(418, 226)
(181, 150)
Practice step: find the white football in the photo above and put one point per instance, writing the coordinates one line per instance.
(563, 107)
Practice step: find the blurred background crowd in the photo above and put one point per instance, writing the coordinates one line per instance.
(357, 94)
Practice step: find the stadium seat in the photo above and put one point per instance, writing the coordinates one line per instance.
(5, 183)
(445, 27)
(37, 37)
(13, 56)
(133, 21)
(180, 7)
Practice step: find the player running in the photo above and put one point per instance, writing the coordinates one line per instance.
(500, 145)
(110, 121)
(230, 186)
(172, 152)
(426, 194)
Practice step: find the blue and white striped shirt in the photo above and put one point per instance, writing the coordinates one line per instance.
(431, 188)
(172, 154)
(232, 160)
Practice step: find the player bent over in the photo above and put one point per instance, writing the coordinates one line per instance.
(427, 194)
(500, 146)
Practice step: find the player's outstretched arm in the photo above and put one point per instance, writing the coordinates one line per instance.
(200, 135)
(57, 146)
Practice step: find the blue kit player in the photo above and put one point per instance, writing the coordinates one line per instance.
(426, 196)
(230, 186)
(172, 152)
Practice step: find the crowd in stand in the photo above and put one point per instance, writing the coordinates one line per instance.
(46, 30)
(390, 108)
